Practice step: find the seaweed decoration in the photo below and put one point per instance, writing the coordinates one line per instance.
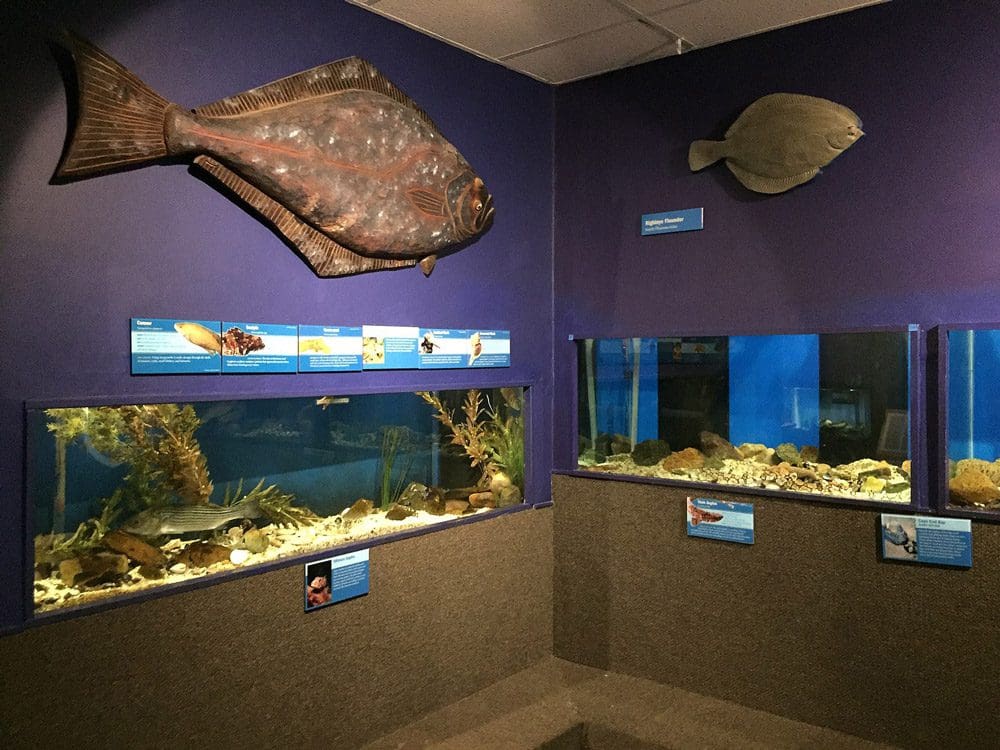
(157, 442)
(491, 436)
(275, 504)
(66, 426)
(88, 535)
(393, 440)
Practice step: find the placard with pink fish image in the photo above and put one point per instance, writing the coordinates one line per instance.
(721, 520)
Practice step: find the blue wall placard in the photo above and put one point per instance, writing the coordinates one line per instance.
(442, 348)
(168, 346)
(329, 348)
(259, 347)
(929, 540)
(350, 576)
(667, 222)
(488, 349)
(390, 347)
(717, 519)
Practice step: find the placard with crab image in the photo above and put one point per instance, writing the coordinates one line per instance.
(718, 519)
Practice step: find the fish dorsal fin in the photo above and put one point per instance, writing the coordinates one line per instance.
(349, 74)
(324, 256)
(765, 104)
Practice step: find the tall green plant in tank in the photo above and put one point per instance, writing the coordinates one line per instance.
(491, 435)
(394, 439)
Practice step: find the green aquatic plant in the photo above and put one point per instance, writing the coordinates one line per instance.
(490, 435)
(66, 426)
(278, 506)
(393, 439)
(88, 535)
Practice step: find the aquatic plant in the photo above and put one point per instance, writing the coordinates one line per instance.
(393, 438)
(278, 506)
(491, 436)
(66, 426)
(88, 535)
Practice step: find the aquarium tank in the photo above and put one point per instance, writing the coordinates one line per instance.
(973, 418)
(134, 496)
(822, 414)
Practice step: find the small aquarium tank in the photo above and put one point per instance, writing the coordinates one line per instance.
(134, 496)
(823, 414)
(973, 418)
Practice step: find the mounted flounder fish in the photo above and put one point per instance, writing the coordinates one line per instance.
(343, 164)
(780, 141)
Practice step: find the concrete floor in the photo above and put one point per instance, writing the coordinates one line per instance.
(559, 705)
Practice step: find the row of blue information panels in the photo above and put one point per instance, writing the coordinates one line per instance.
(167, 346)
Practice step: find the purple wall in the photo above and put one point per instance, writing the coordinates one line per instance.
(80, 259)
(902, 228)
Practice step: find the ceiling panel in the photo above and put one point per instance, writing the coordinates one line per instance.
(713, 21)
(558, 41)
(497, 29)
(590, 54)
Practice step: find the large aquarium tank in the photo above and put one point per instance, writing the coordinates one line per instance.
(973, 418)
(134, 496)
(822, 414)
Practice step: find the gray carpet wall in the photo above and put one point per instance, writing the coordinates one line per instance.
(238, 664)
(807, 623)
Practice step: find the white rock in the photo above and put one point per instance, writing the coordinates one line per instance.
(178, 568)
(239, 556)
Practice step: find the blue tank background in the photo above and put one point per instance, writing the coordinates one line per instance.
(973, 426)
(774, 389)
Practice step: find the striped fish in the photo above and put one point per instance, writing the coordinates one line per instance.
(184, 519)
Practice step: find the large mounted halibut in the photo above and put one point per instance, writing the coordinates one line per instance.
(341, 162)
(780, 141)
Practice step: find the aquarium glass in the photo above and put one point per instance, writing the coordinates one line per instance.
(135, 496)
(973, 418)
(823, 414)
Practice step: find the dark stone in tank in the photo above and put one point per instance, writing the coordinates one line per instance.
(649, 452)
(397, 512)
(421, 497)
(789, 453)
(716, 446)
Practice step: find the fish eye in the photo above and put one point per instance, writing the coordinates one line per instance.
(477, 206)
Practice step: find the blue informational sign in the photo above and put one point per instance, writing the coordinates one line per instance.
(259, 348)
(336, 579)
(488, 349)
(329, 348)
(390, 347)
(350, 576)
(929, 540)
(168, 346)
(443, 348)
(717, 519)
(667, 222)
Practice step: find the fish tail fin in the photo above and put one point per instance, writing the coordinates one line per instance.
(119, 120)
(703, 153)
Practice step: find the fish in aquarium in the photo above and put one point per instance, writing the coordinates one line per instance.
(344, 165)
(190, 518)
(136, 496)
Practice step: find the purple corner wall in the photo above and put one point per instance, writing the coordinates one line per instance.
(900, 229)
(80, 259)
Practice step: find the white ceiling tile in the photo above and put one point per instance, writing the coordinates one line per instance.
(496, 29)
(712, 21)
(591, 54)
